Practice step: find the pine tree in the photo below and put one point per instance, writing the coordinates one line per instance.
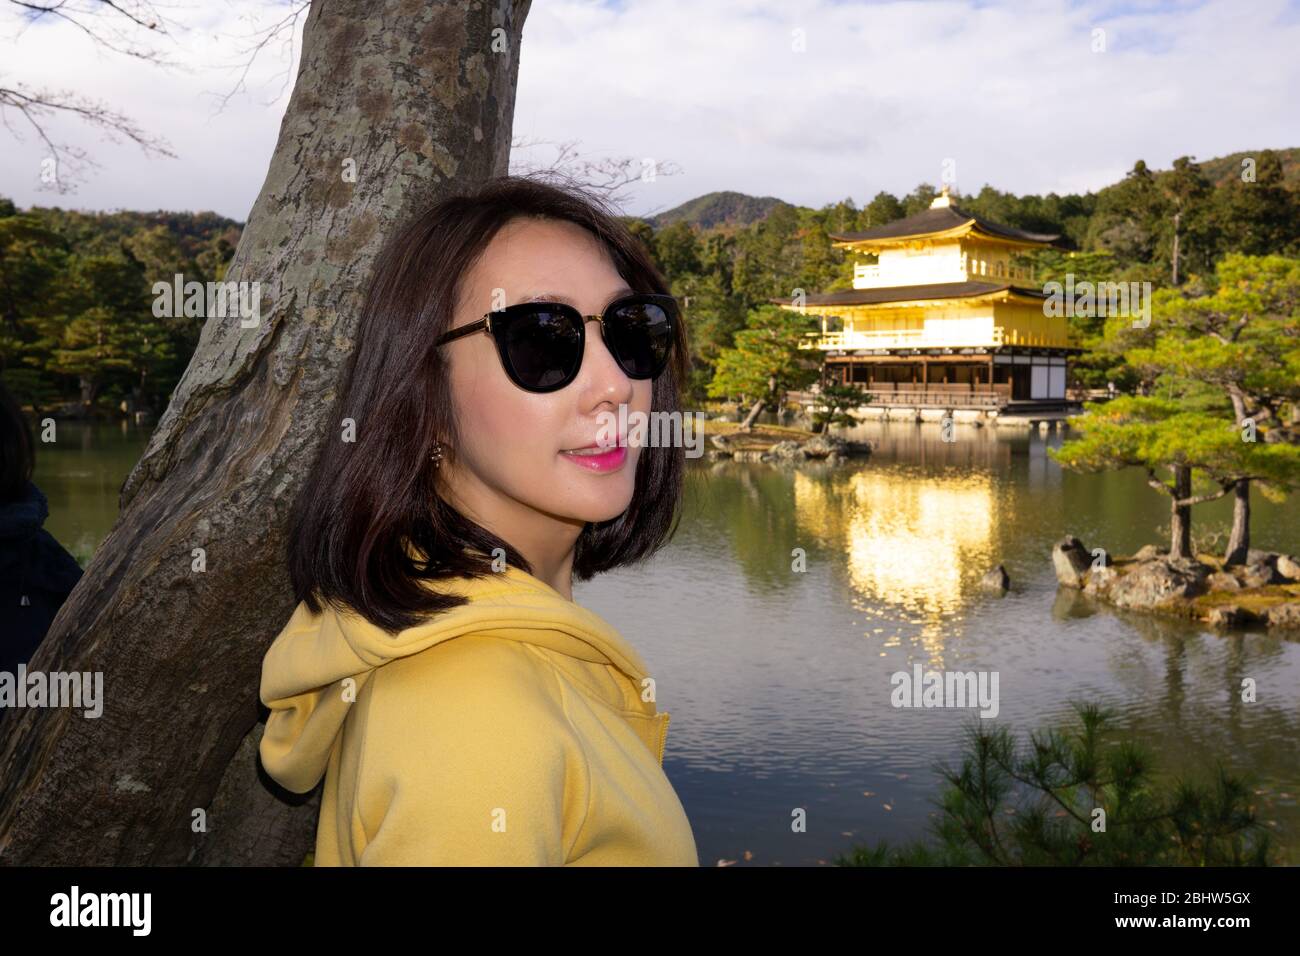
(1071, 798)
(766, 361)
(1242, 344)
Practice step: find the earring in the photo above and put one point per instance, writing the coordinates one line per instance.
(436, 457)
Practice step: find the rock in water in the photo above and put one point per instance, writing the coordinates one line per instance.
(995, 580)
(822, 446)
(1071, 561)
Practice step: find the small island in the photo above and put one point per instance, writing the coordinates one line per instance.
(1265, 590)
(778, 443)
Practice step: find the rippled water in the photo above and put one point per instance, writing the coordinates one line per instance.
(778, 682)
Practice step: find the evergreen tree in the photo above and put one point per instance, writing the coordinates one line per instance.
(1257, 214)
(1243, 344)
(1188, 453)
(836, 400)
(884, 208)
(766, 361)
(1075, 797)
(1188, 235)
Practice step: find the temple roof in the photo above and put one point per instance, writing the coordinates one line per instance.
(941, 219)
(905, 293)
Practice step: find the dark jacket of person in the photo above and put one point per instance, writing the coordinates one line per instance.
(36, 576)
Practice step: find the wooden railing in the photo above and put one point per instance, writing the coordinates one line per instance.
(934, 395)
(954, 394)
(958, 388)
(891, 338)
(938, 398)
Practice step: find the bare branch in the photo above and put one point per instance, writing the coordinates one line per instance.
(1157, 484)
(113, 24)
(36, 107)
(1213, 496)
(285, 30)
(608, 176)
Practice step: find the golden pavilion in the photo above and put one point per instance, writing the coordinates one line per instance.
(945, 312)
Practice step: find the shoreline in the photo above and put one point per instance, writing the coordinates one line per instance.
(778, 443)
(1265, 591)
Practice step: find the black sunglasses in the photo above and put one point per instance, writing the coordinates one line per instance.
(541, 344)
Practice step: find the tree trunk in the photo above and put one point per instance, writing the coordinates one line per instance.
(418, 98)
(1174, 257)
(89, 392)
(1180, 516)
(757, 408)
(1239, 540)
(754, 412)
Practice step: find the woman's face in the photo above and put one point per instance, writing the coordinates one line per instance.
(513, 466)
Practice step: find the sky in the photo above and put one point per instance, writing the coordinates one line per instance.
(810, 102)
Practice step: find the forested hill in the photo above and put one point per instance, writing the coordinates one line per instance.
(728, 210)
(717, 210)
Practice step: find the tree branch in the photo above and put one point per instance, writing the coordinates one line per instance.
(38, 106)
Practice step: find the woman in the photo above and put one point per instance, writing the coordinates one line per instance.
(461, 707)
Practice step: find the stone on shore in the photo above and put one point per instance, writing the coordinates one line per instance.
(1229, 615)
(1159, 584)
(1259, 574)
(1100, 580)
(785, 451)
(822, 446)
(1223, 581)
(763, 446)
(1071, 561)
(1262, 591)
(1284, 616)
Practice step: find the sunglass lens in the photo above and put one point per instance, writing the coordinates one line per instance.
(545, 348)
(640, 334)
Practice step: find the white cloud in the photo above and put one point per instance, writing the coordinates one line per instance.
(881, 96)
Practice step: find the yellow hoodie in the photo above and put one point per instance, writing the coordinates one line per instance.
(510, 730)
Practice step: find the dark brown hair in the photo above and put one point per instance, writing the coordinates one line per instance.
(369, 528)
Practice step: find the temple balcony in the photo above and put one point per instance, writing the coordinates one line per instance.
(925, 338)
(893, 273)
(920, 338)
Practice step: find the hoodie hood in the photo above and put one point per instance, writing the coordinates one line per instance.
(305, 667)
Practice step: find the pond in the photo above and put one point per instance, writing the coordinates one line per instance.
(778, 681)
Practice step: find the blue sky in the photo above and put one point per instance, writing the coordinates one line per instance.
(811, 102)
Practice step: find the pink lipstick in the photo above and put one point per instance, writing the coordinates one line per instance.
(597, 458)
